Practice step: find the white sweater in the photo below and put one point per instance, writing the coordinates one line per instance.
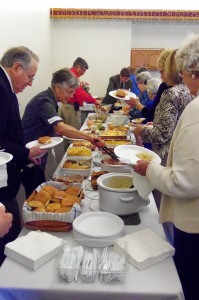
(179, 181)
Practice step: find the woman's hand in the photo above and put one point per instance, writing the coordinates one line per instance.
(132, 102)
(137, 129)
(141, 167)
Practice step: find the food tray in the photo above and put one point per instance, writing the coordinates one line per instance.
(50, 221)
(82, 172)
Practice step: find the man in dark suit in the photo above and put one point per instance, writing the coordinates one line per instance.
(119, 81)
(18, 67)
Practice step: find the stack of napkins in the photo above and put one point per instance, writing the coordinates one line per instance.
(34, 249)
(144, 248)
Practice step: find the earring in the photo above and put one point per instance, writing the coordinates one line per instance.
(193, 76)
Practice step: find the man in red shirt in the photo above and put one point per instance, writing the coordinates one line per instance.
(70, 112)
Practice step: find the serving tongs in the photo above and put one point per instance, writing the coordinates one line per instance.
(110, 153)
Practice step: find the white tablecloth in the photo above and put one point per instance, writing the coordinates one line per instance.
(157, 282)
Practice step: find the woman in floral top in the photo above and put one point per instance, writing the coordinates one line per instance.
(167, 113)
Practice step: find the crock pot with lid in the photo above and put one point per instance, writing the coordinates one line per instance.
(116, 196)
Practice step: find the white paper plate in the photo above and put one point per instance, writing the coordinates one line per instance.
(130, 152)
(100, 225)
(54, 142)
(127, 97)
(5, 158)
(138, 120)
(72, 139)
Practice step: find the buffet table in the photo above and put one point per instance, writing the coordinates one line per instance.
(159, 281)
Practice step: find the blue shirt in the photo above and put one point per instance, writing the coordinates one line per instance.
(134, 88)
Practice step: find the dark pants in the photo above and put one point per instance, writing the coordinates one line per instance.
(32, 178)
(187, 262)
(12, 207)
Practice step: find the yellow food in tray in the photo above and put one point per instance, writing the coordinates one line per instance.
(79, 164)
(114, 143)
(79, 151)
(113, 133)
(117, 128)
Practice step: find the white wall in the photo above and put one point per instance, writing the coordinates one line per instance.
(104, 43)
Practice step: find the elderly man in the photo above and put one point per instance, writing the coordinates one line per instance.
(41, 118)
(119, 81)
(69, 111)
(18, 67)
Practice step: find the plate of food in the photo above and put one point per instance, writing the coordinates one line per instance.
(45, 142)
(122, 94)
(133, 153)
(5, 158)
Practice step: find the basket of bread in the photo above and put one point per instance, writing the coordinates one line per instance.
(52, 206)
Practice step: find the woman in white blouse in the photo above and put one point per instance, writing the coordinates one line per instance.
(179, 180)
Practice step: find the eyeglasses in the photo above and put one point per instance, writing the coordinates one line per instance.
(31, 78)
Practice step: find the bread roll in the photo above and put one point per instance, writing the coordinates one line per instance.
(36, 204)
(53, 206)
(42, 196)
(120, 93)
(73, 190)
(50, 189)
(44, 140)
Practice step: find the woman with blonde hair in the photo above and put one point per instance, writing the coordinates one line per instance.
(178, 181)
(168, 111)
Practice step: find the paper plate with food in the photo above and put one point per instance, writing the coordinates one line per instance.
(133, 153)
(122, 94)
(45, 142)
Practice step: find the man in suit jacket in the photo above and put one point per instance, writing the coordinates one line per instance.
(18, 67)
(119, 81)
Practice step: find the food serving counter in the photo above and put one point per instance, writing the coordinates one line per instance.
(159, 281)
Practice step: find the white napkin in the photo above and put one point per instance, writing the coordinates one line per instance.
(3, 176)
(34, 249)
(141, 184)
(144, 248)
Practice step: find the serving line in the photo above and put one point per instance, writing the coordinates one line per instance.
(158, 282)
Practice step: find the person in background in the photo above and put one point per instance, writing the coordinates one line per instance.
(41, 118)
(18, 67)
(119, 81)
(172, 103)
(152, 89)
(69, 112)
(141, 80)
(178, 180)
(134, 88)
(148, 111)
(140, 70)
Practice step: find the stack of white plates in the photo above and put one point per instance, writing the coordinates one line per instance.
(97, 229)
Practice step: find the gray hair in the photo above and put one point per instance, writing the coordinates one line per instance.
(80, 62)
(20, 54)
(140, 70)
(187, 56)
(153, 85)
(143, 77)
(64, 78)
